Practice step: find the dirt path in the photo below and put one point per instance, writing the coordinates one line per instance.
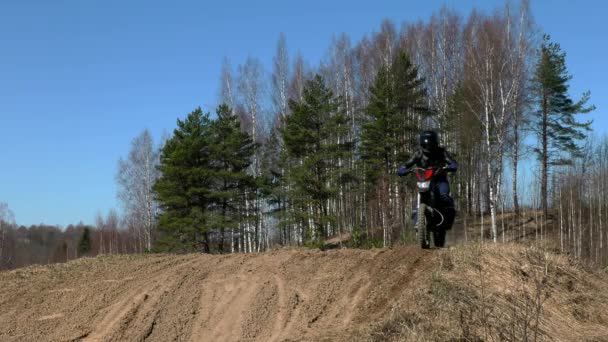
(277, 296)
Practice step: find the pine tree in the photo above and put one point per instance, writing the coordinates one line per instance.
(393, 119)
(379, 130)
(183, 190)
(397, 103)
(314, 137)
(84, 245)
(274, 184)
(557, 129)
(231, 152)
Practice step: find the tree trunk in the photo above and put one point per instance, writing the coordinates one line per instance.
(544, 157)
(514, 169)
(491, 184)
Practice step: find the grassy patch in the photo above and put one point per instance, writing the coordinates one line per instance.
(499, 293)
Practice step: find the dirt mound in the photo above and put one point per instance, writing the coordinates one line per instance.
(275, 296)
(297, 295)
(503, 292)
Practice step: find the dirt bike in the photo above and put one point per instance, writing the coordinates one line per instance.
(432, 217)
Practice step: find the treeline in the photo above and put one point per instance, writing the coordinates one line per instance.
(318, 147)
(579, 196)
(43, 244)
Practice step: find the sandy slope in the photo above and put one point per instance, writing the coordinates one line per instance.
(276, 296)
(466, 293)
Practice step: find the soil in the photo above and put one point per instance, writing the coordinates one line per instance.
(282, 295)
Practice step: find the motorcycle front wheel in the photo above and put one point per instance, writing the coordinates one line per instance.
(423, 233)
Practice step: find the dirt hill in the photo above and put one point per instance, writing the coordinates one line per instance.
(464, 293)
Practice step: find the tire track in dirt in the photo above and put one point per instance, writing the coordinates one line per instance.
(119, 315)
(174, 315)
(145, 327)
(355, 300)
(75, 290)
(282, 316)
(143, 301)
(275, 296)
(221, 306)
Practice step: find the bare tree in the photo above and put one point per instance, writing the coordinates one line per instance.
(227, 86)
(439, 52)
(100, 225)
(385, 43)
(520, 36)
(365, 70)
(280, 79)
(111, 227)
(251, 90)
(135, 177)
(296, 86)
(372, 53)
(7, 219)
(488, 56)
(338, 71)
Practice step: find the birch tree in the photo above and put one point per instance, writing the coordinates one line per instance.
(298, 79)
(227, 86)
(439, 52)
(251, 90)
(339, 73)
(135, 177)
(280, 79)
(521, 32)
(487, 58)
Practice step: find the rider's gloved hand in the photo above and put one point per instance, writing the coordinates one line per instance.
(402, 171)
(452, 167)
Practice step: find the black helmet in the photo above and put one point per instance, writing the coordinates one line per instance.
(429, 140)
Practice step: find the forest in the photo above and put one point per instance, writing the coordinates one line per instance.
(301, 153)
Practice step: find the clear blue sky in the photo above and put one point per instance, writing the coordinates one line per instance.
(79, 79)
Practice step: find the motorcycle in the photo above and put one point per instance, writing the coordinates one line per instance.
(431, 216)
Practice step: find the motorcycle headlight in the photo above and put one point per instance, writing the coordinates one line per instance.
(424, 185)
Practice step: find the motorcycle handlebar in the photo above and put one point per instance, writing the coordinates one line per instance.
(428, 168)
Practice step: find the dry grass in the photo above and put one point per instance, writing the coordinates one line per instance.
(529, 226)
(502, 293)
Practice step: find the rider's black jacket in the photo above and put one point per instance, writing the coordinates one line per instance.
(439, 157)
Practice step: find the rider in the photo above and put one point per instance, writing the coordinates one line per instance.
(431, 154)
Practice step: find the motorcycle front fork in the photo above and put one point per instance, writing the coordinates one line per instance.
(417, 213)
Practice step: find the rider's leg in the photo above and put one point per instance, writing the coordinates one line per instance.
(414, 216)
(443, 192)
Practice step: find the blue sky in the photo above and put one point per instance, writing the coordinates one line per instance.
(80, 79)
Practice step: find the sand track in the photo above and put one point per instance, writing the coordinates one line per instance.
(276, 296)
